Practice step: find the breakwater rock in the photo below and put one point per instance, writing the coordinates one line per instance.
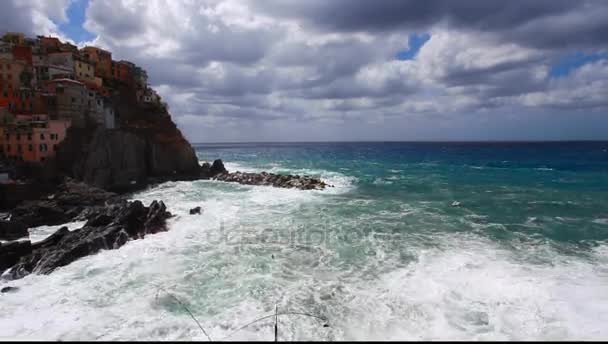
(217, 171)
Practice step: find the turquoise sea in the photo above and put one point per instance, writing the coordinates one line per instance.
(428, 241)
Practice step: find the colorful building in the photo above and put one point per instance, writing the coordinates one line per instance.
(33, 138)
(121, 71)
(10, 74)
(60, 72)
(67, 100)
(61, 59)
(23, 53)
(101, 58)
(84, 69)
(41, 68)
(49, 44)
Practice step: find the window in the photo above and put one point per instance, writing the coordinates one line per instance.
(18, 137)
(73, 100)
(30, 147)
(42, 159)
(29, 137)
(41, 147)
(42, 136)
(54, 148)
(8, 136)
(8, 148)
(19, 148)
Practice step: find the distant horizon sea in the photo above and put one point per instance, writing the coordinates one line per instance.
(415, 241)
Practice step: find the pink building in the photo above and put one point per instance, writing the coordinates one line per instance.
(33, 138)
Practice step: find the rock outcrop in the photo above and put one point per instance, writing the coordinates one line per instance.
(107, 228)
(12, 230)
(67, 203)
(217, 171)
(277, 180)
(195, 211)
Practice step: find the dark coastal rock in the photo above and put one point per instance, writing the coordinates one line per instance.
(276, 180)
(68, 203)
(109, 229)
(12, 230)
(195, 210)
(206, 170)
(11, 252)
(8, 289)
(217, 167)
(217, 171)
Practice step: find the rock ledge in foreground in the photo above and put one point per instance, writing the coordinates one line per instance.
(106, 229)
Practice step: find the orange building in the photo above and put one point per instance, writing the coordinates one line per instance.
(101, 58)
(33, 138)
(121, 71)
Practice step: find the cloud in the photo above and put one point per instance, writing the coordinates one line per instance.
(33, 17)
(323, 70)
(539, 23)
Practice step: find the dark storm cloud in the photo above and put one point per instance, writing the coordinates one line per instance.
(14, 19)
(539, 23)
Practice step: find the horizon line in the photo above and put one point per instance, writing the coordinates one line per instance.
(414, 141)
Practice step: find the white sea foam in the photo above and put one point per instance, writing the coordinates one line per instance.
(471, 289)
(453, 286)
(42, 232)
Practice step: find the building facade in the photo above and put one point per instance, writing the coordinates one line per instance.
(32, 138)
(101, 58)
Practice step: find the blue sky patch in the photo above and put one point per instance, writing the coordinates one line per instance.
(416, 41)
(74, 27)
(569, 62)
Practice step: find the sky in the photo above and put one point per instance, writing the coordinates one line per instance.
(350, 70)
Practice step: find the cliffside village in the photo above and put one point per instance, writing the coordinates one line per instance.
(47, 85)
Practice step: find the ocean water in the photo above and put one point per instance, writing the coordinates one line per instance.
(415, 241)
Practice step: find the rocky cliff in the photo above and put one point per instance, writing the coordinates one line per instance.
(147, 148)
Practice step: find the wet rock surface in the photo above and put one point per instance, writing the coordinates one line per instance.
(8, 289)
(70, 202)
(277, 180)
(217, 171)
(107, 228)
(12, 230)
(195, 211)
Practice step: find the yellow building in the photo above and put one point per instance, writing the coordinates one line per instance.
(84, 69)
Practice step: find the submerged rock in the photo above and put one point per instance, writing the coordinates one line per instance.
(109, 228)
(8, 289)
(195, 210)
